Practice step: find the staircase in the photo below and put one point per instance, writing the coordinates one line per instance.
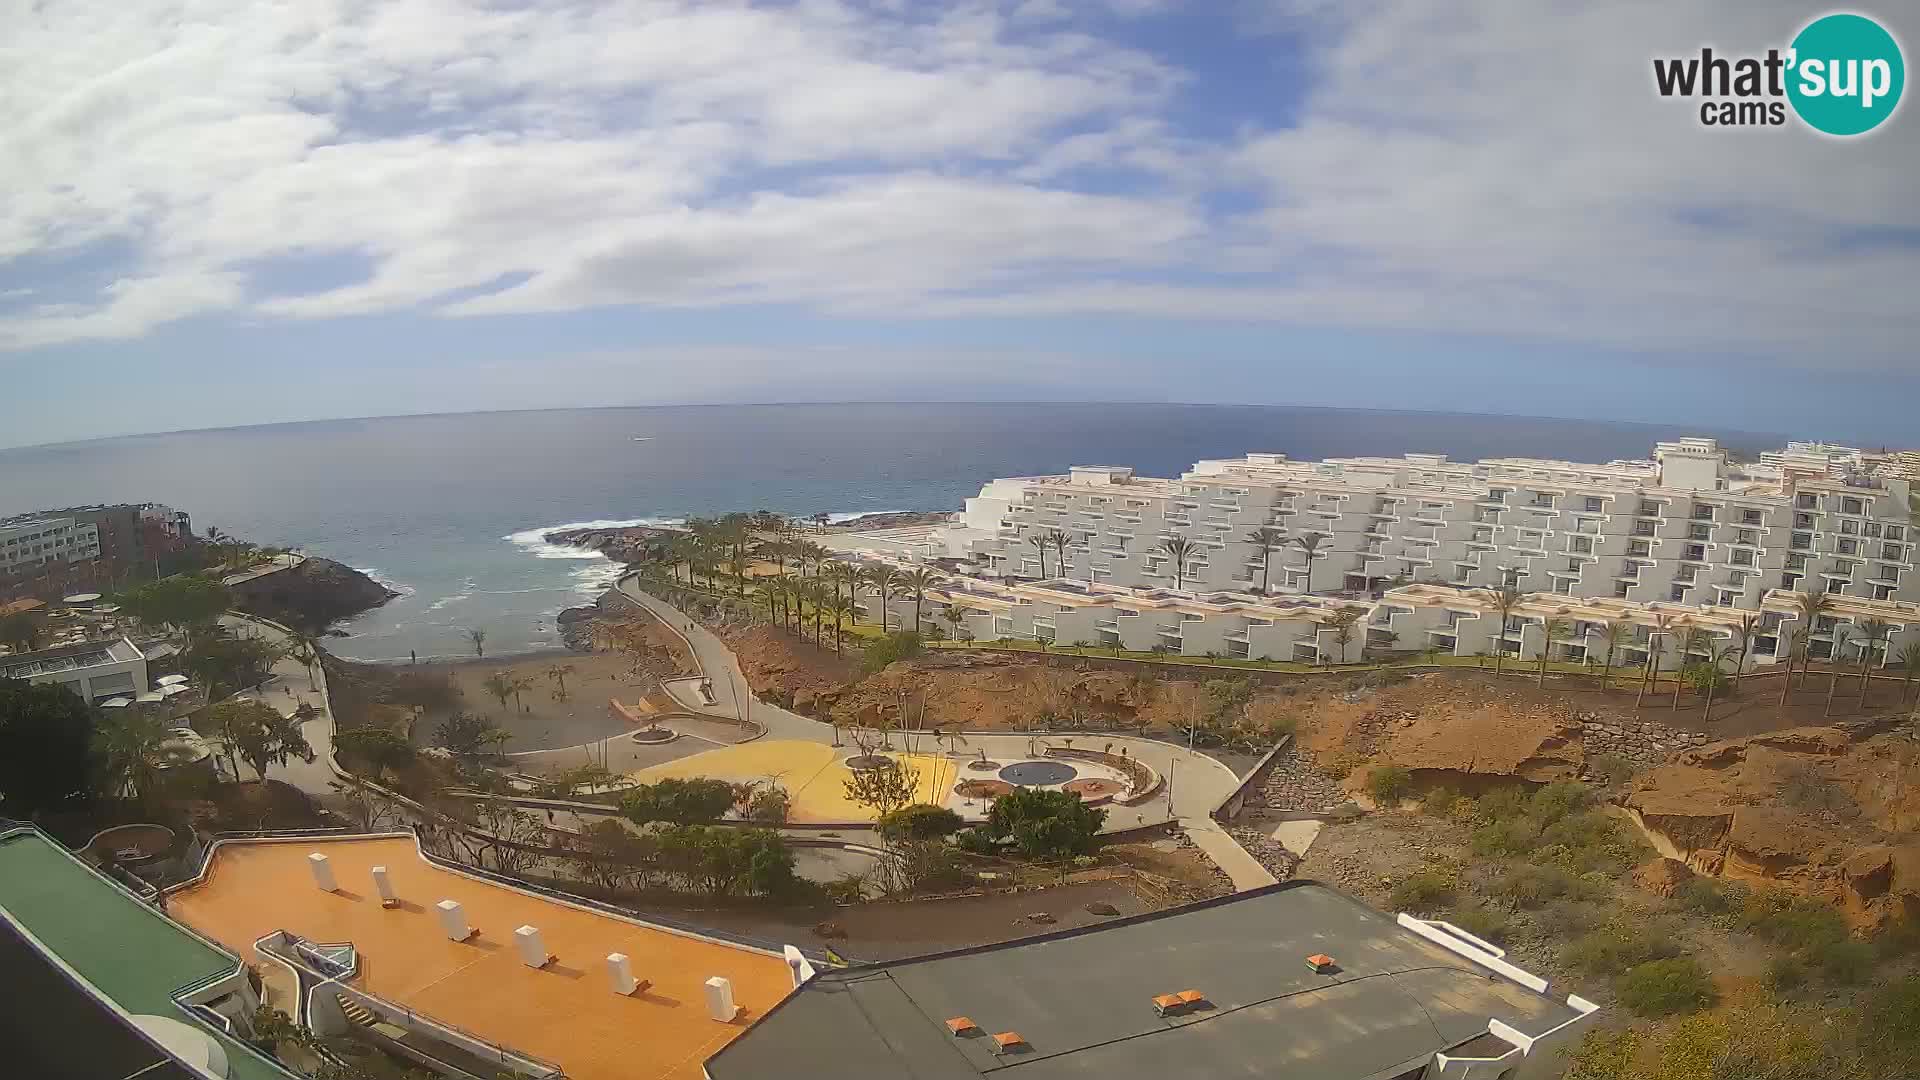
(356, 1012)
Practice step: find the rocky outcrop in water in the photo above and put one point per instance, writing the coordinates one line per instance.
(628, 544)
(312, 595)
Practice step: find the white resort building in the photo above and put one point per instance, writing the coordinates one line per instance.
(1415, 546)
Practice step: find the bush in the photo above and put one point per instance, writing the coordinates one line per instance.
(1501, 804)
(1506, 839)
(899, 645)
(1615, 769)
(1843, 963)
(921, 821)
(1389, 784)
(1440, 802)
(975, 842)
(1786, 972)
(1565, 919)
(1044, 823)
(1791, 922)
(1558, 801)
(680, 802)
(1666, 987)
(1480, 921)
(1705, 896)
(1530, 886)
(1617, 947)
(1426, 891)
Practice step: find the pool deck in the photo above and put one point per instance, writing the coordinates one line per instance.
(564, 1013)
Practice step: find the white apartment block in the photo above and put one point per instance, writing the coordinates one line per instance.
(29, 544)
(1686, 538)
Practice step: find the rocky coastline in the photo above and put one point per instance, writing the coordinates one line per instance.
(312, 595)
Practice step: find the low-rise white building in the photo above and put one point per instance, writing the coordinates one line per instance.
(27, 545)
(96, 670)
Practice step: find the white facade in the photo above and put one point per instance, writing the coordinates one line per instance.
(1685, 528)
(96, 671)
(27, 544)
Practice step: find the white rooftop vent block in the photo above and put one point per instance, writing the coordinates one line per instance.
(453, 920)
(383, 885)
(533, 951)
(798, 964)
(620, 974)
(322, 872)
(720, 1004)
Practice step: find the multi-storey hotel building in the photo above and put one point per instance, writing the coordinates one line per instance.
(1688, 534)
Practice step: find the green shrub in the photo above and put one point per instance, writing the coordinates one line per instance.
(1843, 963)
(1389, 784)
(1501, 804)
(1705, 896)
(1791, 922)
(1612, 949)
(1426, 891)
(1666, 987)
(1614, 769)
(899, 645)
(1480, 921)
(975, 841)
(1565, 919)
(1440, 802)
(1560, 800)
(1045, 823)
(1506, 839)
(1530, 885)
(1786, 972)
(920, 821)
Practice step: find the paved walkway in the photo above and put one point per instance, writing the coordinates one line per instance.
(1195, 783)
(289, 687)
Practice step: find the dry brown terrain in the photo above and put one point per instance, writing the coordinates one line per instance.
(783, 668)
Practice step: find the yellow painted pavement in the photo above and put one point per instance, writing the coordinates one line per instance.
(814, 774)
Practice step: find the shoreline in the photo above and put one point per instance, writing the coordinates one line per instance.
(465, 661)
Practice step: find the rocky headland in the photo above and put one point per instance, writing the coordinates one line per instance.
(312, 595)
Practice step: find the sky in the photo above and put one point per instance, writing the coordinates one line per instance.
(223, 212)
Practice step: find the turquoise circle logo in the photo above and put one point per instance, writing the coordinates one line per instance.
(1846, 74)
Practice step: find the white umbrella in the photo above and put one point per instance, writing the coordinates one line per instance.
(116, 703)
(176, 688)
(147, 698)
(169, 680)
(81, 598)
(106, 609)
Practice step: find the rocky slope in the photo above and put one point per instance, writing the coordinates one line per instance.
(312, 595)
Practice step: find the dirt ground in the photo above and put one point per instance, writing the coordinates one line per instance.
(539, 720)
(888, 931)
(783, 668)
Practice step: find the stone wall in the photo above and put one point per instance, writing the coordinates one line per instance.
(1643, 743)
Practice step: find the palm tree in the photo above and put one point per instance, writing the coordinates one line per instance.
(734, 533)
(1504, 600)
(1179, 549)
(1713, 681)
(1743, 636)
(1059, 539)
(1307, 543)
(916, 582)
(1797, 639)
(1841, 632)
(306, 649)
(1269, 540)
(955, 616)
(1873, 640)
(1041, 542)
(1656, 644)
(1909, 657)
(558, 673)
(1552, 630)
(129, 748)
(499, 686)
(1692, 641)
(817, 597)
(838, 573)
(479, 639)
(841, 609)
(884, 578)
(1810, 606)
(1612, 635)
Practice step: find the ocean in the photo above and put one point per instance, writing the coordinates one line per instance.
(449, 509)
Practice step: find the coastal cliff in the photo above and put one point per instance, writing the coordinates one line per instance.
(312, 595)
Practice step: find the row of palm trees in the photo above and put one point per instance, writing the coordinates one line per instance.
(1689, 641)
(831, 592)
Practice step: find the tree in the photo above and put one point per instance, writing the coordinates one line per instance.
(179, 601)
(1692, 640)
(306, 649)
(1307, 543)
(883, 579)
(46, 738)
(693, 801)
(521, 684)
(841, 609)
(1841, 632)
(465, 735)
(1178, 549)
(258, 734)
(1342, 622)
(127, 747)
(1873, 642)
(610, 855)
(479, 639)
(1060, 540)
(1045, 823)
(919, 821)
(1269, 540)
(499, 686)
(557, 674)
(1504, 600)
(769, 804)
(955, 616)
(1040, 542)
(916, 582)
(1552, 631)
(1810, 607)
(1656, 644)
(1796, 642)
(376, 746)
(1743, 637)
(224, 663)
(883, 788)
(1612, 635)
(1909, 657)
(21, 630)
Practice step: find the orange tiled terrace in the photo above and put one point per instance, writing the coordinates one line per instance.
(565, 1013)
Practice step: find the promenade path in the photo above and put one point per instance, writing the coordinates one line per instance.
(1195, 783)
(288, 687)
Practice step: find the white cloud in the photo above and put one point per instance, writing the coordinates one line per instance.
(1457, 166)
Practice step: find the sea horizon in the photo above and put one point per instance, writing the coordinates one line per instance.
(450, 509)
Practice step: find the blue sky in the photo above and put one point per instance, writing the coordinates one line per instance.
(234, 212)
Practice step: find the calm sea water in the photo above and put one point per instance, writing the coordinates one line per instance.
(448, 509)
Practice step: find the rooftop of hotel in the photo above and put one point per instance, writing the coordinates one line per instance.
(67, 658)
(130, 953)
(565, 1013)
(1082, 1002)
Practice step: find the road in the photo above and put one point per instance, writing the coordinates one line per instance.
(1195, 785)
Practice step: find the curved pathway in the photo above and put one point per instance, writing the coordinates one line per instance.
(1195, 783)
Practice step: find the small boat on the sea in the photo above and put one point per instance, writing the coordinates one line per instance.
(643, 438)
